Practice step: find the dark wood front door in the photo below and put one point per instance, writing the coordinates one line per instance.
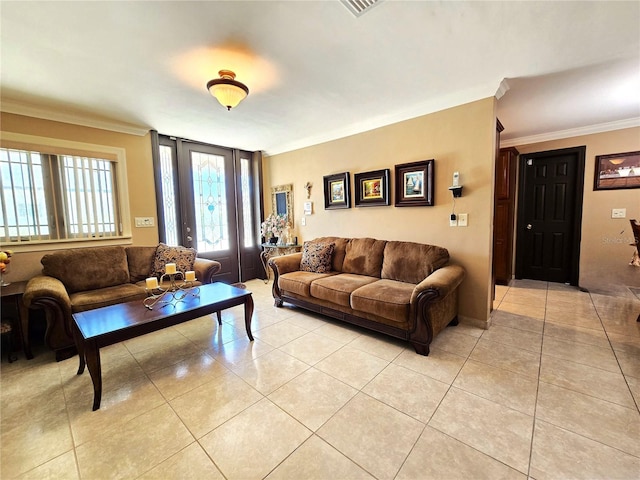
(209, 206)
(549, 215)
(209, 199)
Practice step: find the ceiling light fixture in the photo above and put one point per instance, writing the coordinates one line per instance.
(228, 91)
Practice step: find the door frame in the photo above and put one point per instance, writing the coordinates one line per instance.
(576, 228)
(247, 258)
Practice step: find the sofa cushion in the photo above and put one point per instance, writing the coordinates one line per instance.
(140, 261)
(299, 282)
(316, 257)
(385, 298)
(183, 257)
(82, 269)
(103, 297)
(339, 250)
(338, 288)
(412, 262)
(364, 256)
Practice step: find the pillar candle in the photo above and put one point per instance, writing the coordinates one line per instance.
(190, 276)
(152, 282)
(170, 268)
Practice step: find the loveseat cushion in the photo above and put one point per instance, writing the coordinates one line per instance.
(339, 250)
(140, 260)
(103, 297)
(299, 282)
(364, 257)
(316, 257)
(183, 257)
(82, 269)
(385, 298)
(412, 262)
(338, 288)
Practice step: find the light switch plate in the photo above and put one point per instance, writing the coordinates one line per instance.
(145, 222)
(619, 213)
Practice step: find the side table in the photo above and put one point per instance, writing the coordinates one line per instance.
(270, 250)
(13, 292)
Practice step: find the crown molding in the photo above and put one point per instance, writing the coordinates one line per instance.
(502, 89)
(571, 132)
(443, 102)
(10, 106)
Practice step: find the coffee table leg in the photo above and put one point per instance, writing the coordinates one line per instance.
(248, 313)
(92, 354)
(77, 337)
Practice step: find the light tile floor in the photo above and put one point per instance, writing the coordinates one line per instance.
(551, 390)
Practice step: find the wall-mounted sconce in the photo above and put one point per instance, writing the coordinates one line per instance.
(308, 186)
(456, 188)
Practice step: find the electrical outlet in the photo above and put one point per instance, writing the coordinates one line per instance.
(453, 221)
(145, 222)
(619, 213)
(462, 219)
(304, 221)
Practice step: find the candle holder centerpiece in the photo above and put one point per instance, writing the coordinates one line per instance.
(173, 287)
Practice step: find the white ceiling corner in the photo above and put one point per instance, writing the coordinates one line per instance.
(314, 71)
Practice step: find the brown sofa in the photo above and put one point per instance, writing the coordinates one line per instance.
(81, 279)
(403, 289)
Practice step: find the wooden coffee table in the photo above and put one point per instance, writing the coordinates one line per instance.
(105, 326)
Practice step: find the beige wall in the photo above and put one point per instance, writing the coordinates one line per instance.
(142, 200)
(459, 139)
(604, 251)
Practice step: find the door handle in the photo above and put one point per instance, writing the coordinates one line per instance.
(529, 226)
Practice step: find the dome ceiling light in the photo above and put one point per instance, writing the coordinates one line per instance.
(227, 90)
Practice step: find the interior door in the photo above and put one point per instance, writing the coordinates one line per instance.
(208, 205)
(549, 215)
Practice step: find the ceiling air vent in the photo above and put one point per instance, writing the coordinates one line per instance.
(359, 7)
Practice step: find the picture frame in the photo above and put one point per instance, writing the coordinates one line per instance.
(372, 188)
(617, 171)
(414, 184)
(337, 191)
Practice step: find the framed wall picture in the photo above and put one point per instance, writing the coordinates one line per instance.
(617, 170)
(337, 193)
(372, 188)
(414, 184)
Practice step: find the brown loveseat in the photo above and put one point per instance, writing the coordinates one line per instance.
(403, 289)
(81, 279)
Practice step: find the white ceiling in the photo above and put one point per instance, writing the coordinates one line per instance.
(315, 71)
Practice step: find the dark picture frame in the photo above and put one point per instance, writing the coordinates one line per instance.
(414, 184)
(372, 188)
(337, 191)
(617, 171)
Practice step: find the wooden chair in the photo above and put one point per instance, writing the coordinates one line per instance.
(635, 228)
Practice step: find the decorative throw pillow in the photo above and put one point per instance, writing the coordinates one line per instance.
(316, 257)
(183, 257)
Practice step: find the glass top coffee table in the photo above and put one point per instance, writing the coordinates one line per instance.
(105, 326)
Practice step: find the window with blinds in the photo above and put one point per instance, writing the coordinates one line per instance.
(49, 197)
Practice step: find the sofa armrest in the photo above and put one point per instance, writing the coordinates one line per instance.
(44, 287)
(286, 263)
(49, 294)
(206, 269)
(442, 282)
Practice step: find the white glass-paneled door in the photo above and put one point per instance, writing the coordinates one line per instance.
(207, 200)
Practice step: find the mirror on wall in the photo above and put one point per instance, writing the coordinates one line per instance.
(282, 201)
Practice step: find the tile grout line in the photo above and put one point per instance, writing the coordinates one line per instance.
(633, 398)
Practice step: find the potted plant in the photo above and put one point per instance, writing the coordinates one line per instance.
(272, 227)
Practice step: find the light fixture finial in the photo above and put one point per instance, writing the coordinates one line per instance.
(227, 90)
